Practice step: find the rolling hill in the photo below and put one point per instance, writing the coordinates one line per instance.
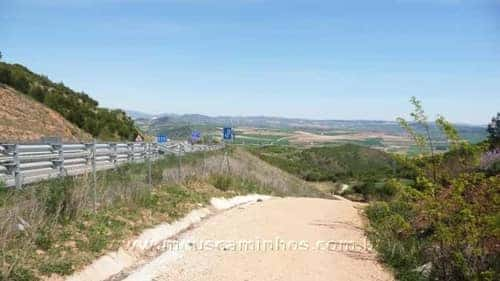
(384, 135)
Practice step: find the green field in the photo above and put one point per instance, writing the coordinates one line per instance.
(257, 139)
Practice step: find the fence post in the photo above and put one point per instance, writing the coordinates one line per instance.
(17, 167)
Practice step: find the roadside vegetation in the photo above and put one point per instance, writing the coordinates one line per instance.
(57, 227)
(76, 107)
(260, 139)
(444, 224)
(433, 215)
(358, 172)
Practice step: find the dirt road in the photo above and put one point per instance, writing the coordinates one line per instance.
(280, 239)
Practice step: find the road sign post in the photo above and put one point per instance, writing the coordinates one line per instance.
(161, 139)
(195, 136)
(227, 134)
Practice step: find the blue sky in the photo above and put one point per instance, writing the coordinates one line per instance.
(304, 58)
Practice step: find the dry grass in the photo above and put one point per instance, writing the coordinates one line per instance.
(243, 164)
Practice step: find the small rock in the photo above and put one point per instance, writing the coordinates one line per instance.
(425, 269)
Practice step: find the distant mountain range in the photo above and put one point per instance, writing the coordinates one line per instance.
(251, 121)
(168, 122)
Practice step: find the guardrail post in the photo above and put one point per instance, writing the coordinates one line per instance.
(92, 157)
(130, 152)
(179, 164)
(148, 157)
(59, 163)
(113, 155)
(17, 167)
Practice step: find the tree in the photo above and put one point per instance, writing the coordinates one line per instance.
(5, 75)
(494, 131)
(37, 93)
(423, 141)
(0, 55)
(449, 131)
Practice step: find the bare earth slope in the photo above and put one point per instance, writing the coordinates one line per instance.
(24, 119)
(289, 219)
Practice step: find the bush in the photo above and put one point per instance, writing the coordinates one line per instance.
(19, 273)
(393, 236)
(57, 197)
(97, 238)
(454, 228)
(61, 266)
(221, 182)
(43, 239)
(337, 163)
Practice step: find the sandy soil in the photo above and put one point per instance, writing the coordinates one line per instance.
(24, 119)
(306, 137)
(306, 224)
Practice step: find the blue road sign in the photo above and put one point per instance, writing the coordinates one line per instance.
(196, 135)
(227, 133)
(161, 139)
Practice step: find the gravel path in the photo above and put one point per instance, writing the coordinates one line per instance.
(293, 235)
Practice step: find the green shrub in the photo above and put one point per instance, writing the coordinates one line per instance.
(156, 173)
(97, 237)
(331, 163)
(455, 228)
(43, 239)
(59, 266)
(221, 182)
(19, 273)
(57, 197)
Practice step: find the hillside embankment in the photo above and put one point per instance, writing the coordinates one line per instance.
(22, 119)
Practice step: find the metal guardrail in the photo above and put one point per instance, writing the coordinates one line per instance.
(22, 164)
